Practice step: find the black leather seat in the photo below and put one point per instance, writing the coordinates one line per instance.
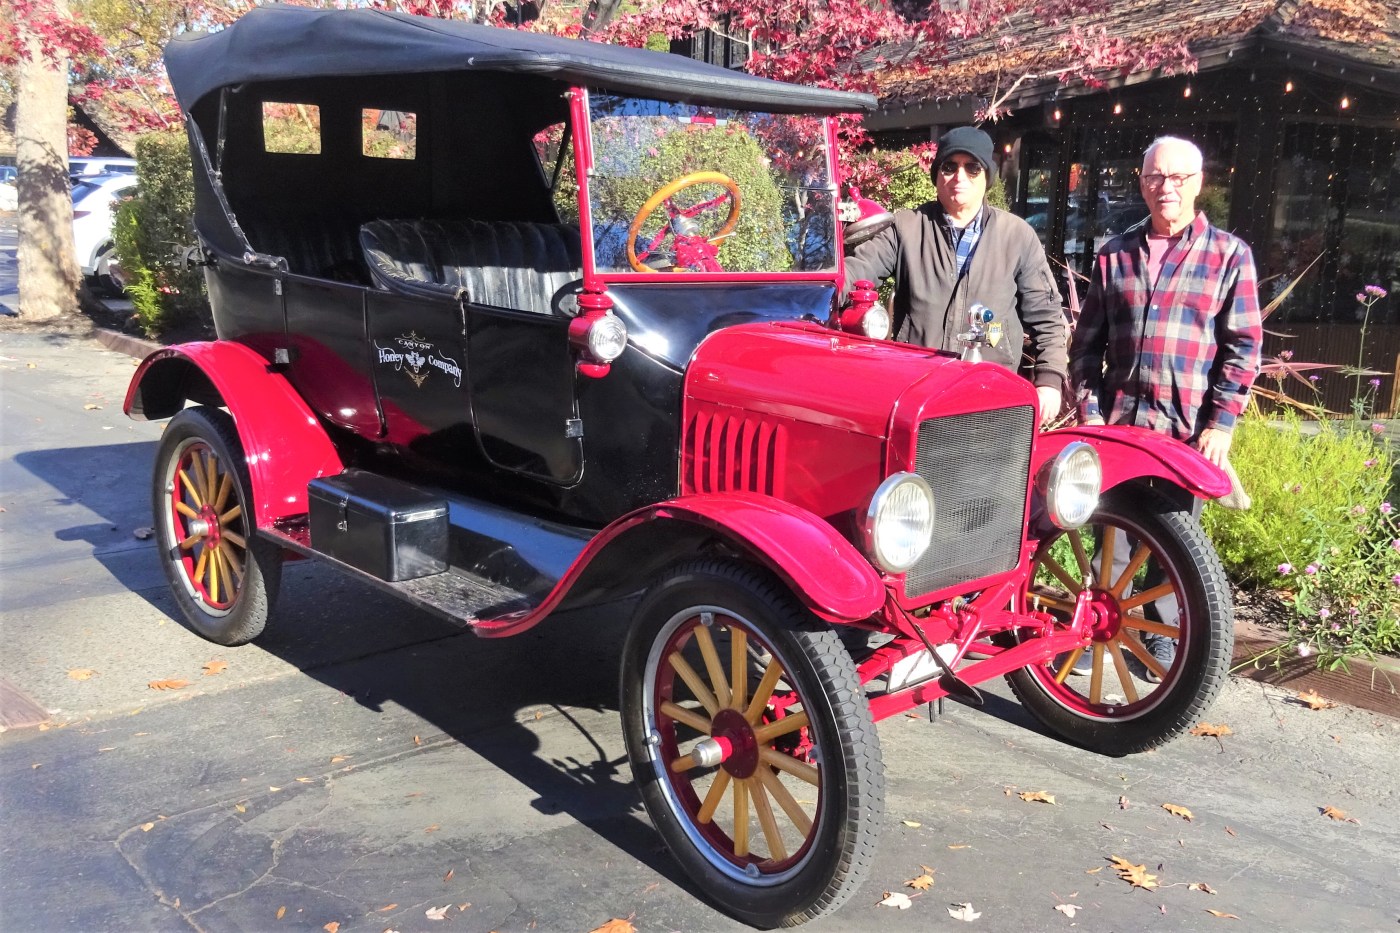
(319, 245)
(507, 264)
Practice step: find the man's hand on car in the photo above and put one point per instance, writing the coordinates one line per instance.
(1050, 401)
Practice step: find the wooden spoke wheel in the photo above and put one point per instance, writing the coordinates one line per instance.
(1150, 573)
(749, 738)
(223, 576)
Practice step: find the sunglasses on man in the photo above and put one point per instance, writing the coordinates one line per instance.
(950, 168)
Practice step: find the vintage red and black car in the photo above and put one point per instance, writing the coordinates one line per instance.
(510, 324)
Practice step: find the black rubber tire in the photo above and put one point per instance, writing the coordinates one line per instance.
(1208, 634)
(840, 846)
(246, 615)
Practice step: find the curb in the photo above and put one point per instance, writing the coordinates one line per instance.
(1369, 684)
(125, 343)
(1373, 685)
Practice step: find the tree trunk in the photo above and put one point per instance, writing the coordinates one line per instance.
(48, 270)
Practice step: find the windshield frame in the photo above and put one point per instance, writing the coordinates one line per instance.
(594, 279)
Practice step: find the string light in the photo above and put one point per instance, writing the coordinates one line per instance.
(1117, 109)
(1346, 102)
(1057, 113)
(1288, 87)
(1187, 91)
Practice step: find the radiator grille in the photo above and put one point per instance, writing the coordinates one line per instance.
(734, 453)
(976, 465)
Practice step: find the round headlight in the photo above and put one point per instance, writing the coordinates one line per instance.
(1072, 491)
(899, 522)
(607, 338)
(876, 323)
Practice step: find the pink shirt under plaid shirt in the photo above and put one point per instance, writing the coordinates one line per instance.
(1179, 357)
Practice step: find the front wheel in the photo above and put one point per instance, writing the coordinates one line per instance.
(1163, 630)
(751, 743)
(224, 577)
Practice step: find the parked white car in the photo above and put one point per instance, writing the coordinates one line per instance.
(9, 193)
(83, 167)
(94, 207)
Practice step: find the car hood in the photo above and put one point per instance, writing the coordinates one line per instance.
(813, 374)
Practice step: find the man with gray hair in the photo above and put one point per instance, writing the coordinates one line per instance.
(1170, 335)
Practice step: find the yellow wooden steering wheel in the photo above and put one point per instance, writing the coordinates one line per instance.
(663, 196)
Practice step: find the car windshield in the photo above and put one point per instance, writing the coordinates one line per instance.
(679, 187)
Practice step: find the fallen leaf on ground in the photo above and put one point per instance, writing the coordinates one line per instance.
(147, 827)
(338, 759)
(91, 407)
(960, 845)
(240, 808)
(1182, 812)
(1093, 871)
(963, 912)
(214, 667)
(432, 829)
(1221, 914)
(450, 873)
(1214, 731)
(272, 790)
(1069, 910)
(1313, 701)
(615, 926)
(921, 883)
(168, 684)
(386, 908)
(1037, 796)
(305, 780)
(437, 913)
(1135, 875)
(332, 926)
(914, 824)
(143, 533)
(464, 905)
(417, 740)
(1200, 886)
(1230, 831)
(281, 912)
(81, 673)
(1122, 802)
(896, 900)
(1339, 815)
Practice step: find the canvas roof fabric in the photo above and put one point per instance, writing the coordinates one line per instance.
(281, 42)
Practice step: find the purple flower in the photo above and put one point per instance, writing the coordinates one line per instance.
(1285, 355)
(1312, 378)
(1375, 382)
(1386, 508)
(1336, 626)
(1324, 613)
(1310, 570)
(1377, 427)
(1286, 569)
(1375, 291)
(1353, 612)
(1361, 297)
(1369, 463)
(1396, 544)
(1395, 579)
(1304, 650)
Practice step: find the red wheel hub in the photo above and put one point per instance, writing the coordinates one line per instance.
(1105, 617)
(731, 725)
(213, 530)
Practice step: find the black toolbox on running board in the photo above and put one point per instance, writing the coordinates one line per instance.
(382, 526)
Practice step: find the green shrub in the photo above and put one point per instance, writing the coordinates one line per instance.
(1321, 530)
(149, 229)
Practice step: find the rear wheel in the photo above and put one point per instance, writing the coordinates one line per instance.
(224, 577)
(1151, 573)
(751, 743)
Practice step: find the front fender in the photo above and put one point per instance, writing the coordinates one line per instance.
(284, 445)
(1128, 453)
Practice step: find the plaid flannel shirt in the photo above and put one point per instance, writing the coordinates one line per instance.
(964, 239)
(1179, 357)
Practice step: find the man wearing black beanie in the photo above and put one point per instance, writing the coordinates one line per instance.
(950, 254)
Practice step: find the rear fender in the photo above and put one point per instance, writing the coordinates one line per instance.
(284, 444)
(1129, 453)
(826, 572)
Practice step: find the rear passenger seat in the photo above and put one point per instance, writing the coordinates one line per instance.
(507, 264)
(324, 246)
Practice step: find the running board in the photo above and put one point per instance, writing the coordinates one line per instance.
(462, 598)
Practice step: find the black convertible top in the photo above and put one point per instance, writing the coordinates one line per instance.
(279, 42)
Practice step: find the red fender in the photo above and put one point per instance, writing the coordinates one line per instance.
(824, 570)
(284, 443)
(1128, 452)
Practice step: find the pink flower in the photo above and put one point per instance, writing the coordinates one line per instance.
(1297, 488)
(1353, 612)
(1361, 297)
(1285, 355)
(1285, 569)
(1310, 570)
(1386, 508)
(1304, 650)
(1369, 463)
(1312, 378)
(1396, 544)
(1375, 291)
(1324, 613)
(1377, 427)
(1359, 510)
(1336, 626)
(1375, 382)
(1395, 579)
